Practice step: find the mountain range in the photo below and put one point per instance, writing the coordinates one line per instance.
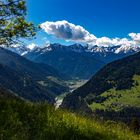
(41, 73)
(75, 61)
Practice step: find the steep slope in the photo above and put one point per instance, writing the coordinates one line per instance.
(23, 65)
(71, 60)
(24, 86)
(6, 94)
(39, 75)
(21, 120)
(111, 88)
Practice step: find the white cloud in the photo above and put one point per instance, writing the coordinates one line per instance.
(104, 41)
(76, 33)
(32, 46)
(68, 31)
(135, 37)
(125, 42)
(107, 42)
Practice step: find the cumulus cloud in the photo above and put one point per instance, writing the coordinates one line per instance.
(68, 31)
(76, 33)
(125, 42)
(104, 41)
(108, 42)
(135, 37)
(32, 46)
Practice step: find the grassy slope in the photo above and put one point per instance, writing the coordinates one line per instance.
(117, 99)
(23, 121)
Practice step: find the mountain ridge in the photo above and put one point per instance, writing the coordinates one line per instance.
(77, 61)
(76, 48)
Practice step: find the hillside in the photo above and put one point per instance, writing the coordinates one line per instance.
(24, 86)
(23, 65)
(5, 94)
(30, 80)
(113, 89)
(41, 121)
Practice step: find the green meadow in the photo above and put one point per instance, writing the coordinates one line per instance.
(20, 120)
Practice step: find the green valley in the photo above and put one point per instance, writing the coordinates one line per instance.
(117, 99)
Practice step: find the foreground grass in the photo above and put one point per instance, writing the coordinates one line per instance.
(25, 121)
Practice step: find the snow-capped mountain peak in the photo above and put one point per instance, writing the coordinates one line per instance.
(127, 49)
(78, 48)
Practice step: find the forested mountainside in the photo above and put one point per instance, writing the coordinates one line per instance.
(115, 87)
(30, 80)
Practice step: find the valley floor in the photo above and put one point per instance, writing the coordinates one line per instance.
(72, 84)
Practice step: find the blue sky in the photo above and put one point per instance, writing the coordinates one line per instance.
(110, 18)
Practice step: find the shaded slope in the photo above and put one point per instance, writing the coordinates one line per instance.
(34, 71)
(23, 65)
(117, 75)
(5, 94)
(23, 85)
